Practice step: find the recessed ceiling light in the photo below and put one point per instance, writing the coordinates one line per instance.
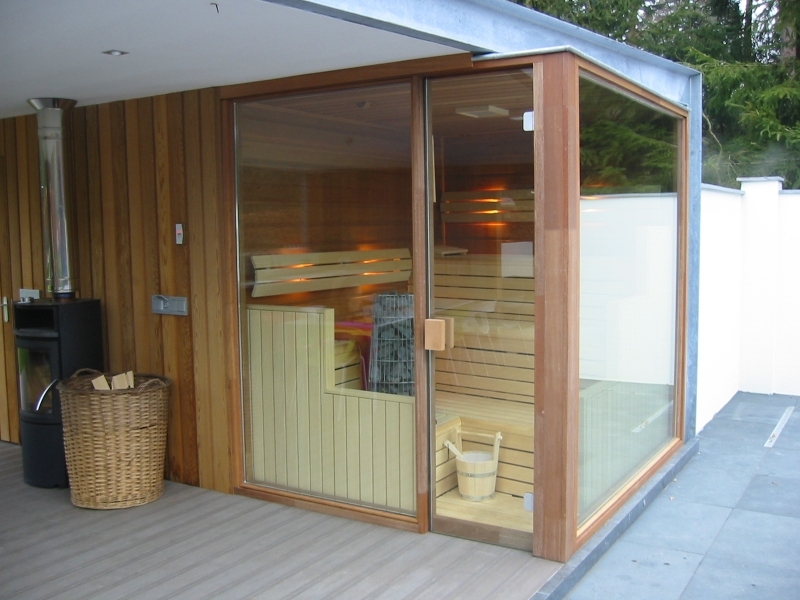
(115, 52)
(482, 112)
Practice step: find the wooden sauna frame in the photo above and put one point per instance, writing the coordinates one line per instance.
(556, 533)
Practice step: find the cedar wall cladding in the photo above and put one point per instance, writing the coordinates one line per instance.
(133, 170)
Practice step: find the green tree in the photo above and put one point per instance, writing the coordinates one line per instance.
(749, 59)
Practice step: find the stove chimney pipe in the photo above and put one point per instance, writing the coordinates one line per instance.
(49, 114)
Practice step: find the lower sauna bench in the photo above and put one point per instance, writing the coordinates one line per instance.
(514, 472)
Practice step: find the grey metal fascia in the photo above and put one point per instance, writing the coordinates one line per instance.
(584, 56)
(500, 26)
(380, 15)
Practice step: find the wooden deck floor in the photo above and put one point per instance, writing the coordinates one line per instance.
(194, 543)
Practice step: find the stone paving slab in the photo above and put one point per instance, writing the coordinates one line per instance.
(734, 511)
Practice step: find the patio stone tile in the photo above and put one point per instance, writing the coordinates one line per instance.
(760, 399)
(738, 432)
(789, 439)
(735, 457)
(682, 526)
(756, 412)
(630, 570)
(741, 580)
(703, 484)
(781, 461)
(774, 495)
(756, 537)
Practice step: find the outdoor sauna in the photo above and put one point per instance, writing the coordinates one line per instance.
(404, 231)
(371, 215)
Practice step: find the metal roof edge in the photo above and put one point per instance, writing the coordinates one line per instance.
(360, 19)
(513, 16)
(586, 57)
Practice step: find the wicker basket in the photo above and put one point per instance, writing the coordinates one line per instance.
(115, 441)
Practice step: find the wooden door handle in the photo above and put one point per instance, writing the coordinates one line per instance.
(439, 334)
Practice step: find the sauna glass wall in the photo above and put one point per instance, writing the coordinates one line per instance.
(480, 161)
(628, 289)
(324, 224)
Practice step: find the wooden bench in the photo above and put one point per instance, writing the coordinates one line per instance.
(277, 274)
(486, 382)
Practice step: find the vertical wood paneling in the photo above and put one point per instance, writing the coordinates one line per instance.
(290, 398)
(6, 333)
(194, 236)
(34, 205)
(9, 275)
(214, 436)
(23, 185)
(303, 450)
(122, 243)
(315, 441)
(182, 355)
(152, 339)
(109, 225)
(257, 404)
(98, 234)
(136, 168)
(80, 186)
(136, 217)
(13, 205)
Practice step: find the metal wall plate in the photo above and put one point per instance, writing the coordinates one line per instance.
(170, 305)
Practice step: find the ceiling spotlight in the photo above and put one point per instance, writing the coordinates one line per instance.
(482, 112)
(115, 52)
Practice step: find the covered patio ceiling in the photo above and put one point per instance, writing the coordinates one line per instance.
(56, 49)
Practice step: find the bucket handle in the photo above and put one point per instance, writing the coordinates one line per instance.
(496, 451)
(453, 449)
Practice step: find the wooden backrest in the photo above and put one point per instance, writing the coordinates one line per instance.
(493, 354)
(277, 274)
(488, 206)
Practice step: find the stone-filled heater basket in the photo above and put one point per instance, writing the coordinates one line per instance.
(115, 441)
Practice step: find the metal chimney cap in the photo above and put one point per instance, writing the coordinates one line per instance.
(61, 103)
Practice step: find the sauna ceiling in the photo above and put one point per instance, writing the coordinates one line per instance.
(372, 125)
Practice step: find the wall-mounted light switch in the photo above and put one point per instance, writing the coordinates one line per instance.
(179, 233)
(170, 305)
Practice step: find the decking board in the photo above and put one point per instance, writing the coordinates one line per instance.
(194, 543)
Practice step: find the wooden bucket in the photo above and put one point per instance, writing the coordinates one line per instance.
(477, 470)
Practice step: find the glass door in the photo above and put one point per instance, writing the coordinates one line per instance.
(325, 246)
(481, 188)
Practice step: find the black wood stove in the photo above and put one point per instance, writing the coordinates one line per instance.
(54, 338)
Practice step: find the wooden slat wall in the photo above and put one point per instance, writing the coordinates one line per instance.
(134, 169)
(308, 436)
(21, 265)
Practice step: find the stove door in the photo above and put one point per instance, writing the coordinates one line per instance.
(38, 369)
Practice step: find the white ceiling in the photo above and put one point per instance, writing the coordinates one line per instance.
(54, 48)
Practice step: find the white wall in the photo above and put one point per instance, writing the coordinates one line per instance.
(749, 322)
(786, 374)
(718, 345)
